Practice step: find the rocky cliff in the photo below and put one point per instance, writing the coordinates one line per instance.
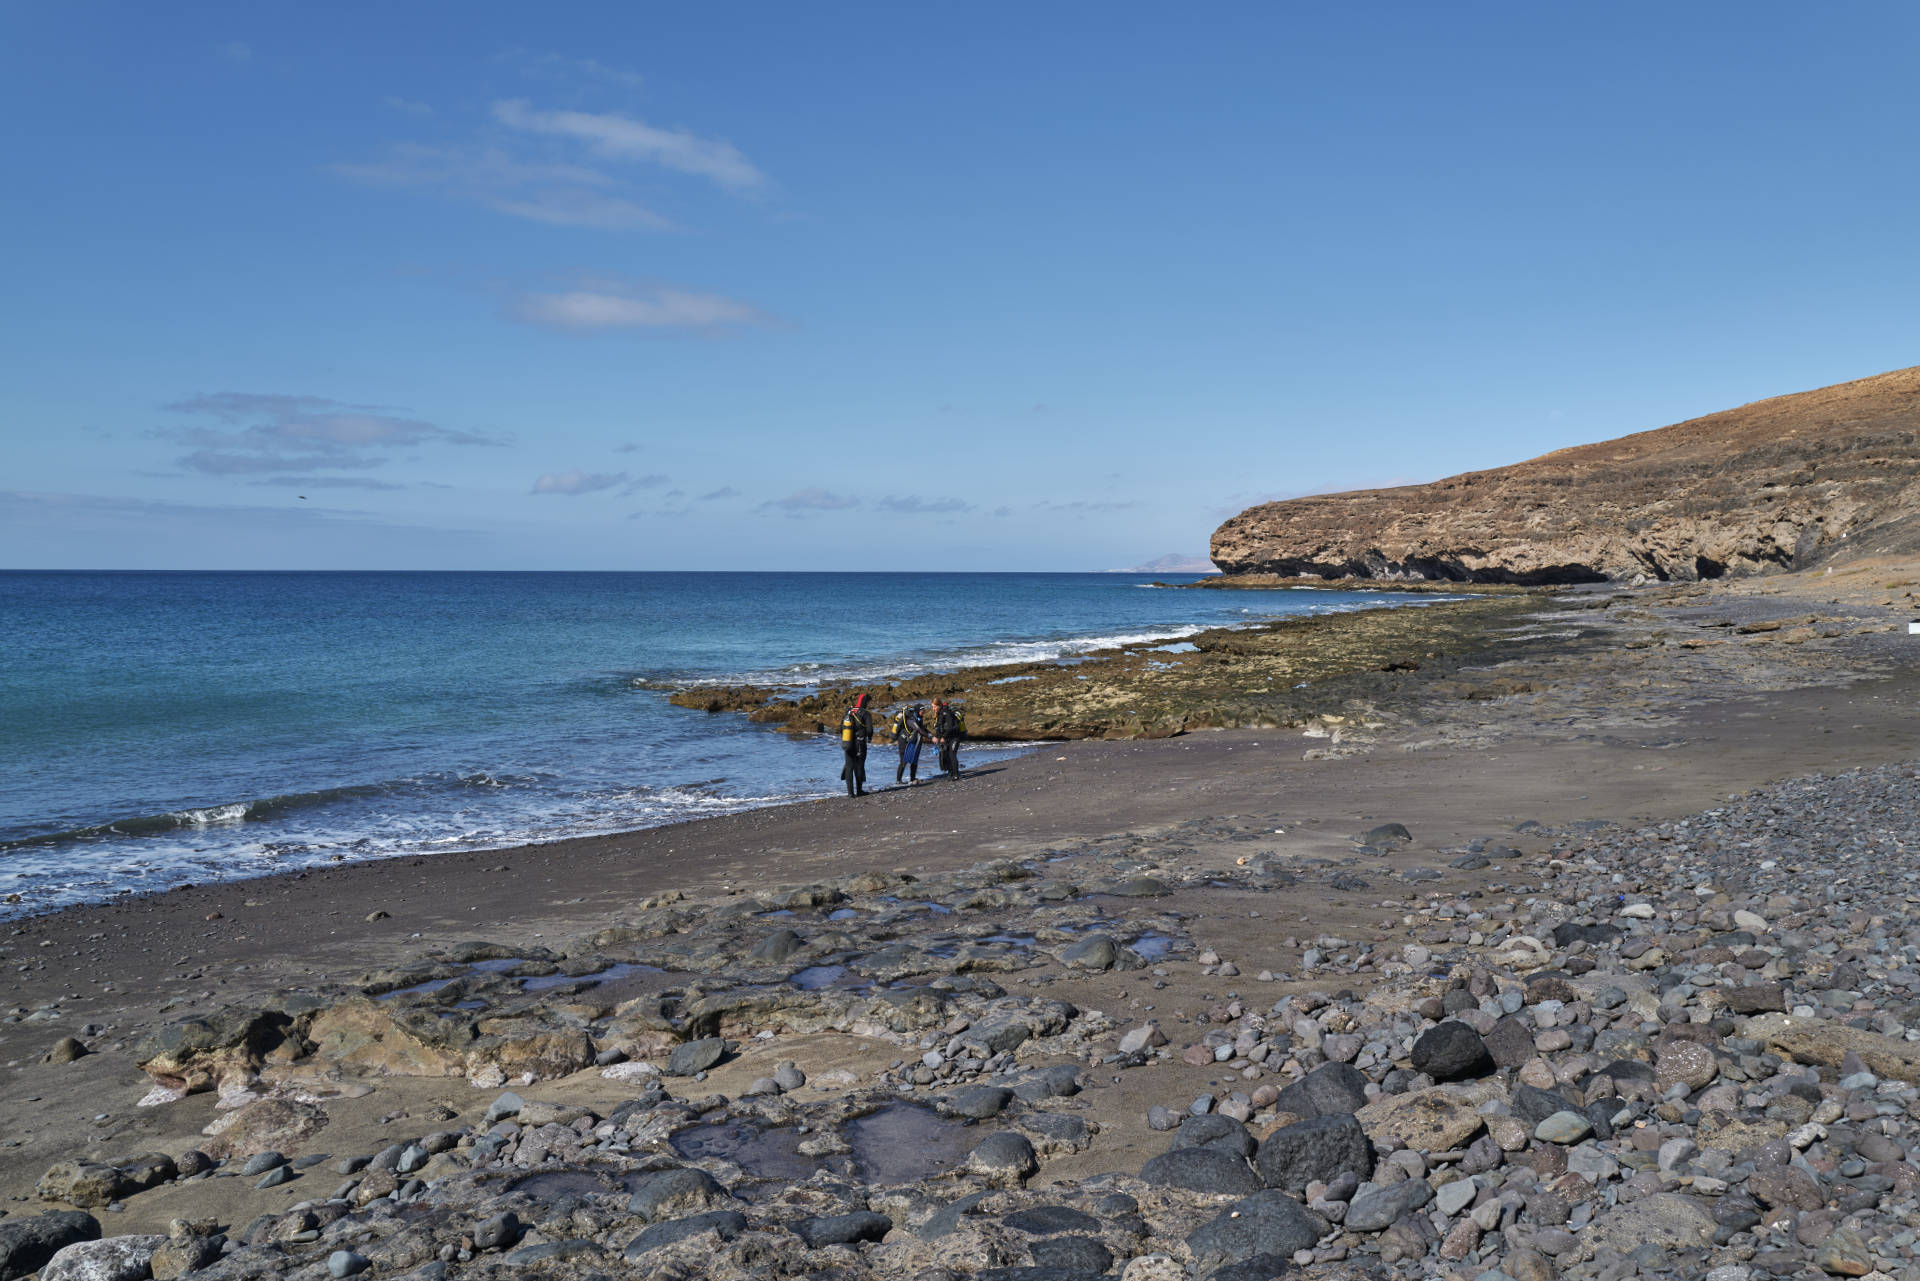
(1778, 484)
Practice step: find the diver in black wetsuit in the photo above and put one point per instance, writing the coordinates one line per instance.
(948, 729)
(856, 731)
(909, 731)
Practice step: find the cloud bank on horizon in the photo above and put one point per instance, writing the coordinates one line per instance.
(890, 289)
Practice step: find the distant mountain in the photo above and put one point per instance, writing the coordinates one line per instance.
(1778, 484)
(1172, 563)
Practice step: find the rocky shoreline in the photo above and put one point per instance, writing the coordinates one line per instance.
(1251, 1041)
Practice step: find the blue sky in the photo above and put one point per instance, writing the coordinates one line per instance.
(899, 287)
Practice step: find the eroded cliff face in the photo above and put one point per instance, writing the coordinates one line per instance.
(1778, 484)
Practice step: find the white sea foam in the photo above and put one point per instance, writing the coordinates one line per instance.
(212, 814)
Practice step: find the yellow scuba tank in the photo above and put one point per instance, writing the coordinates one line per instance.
(846, 728)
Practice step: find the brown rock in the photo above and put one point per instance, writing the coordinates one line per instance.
(66, 1050)
(181, 1255)
(1786, 1187)
(361, 1036)
(87, 1184)
(1826, 1043)
(1686, 1063)
(1438, 1119)
(270, 1125)
(1771, 485)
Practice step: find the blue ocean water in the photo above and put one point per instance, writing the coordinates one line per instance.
(165, 727)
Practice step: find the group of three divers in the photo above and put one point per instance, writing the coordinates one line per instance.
(909, 730)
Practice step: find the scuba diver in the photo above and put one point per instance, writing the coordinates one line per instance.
(909, 731)
(856, 730)
(948, 728)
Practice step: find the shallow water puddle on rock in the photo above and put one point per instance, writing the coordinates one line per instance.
(904, 1143)
(418, 989)
(817, 978)
(618, 970)
(549, 1186)
(1152, 947)
(764, 1152)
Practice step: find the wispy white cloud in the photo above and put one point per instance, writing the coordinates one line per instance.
(813, 499)
(255, 433)
(652, 481)
(1082, 506)
(622, 138)
(327, 482)
(235, 51)
(914, 505)
(406, 105)
(725, 491)
(560, 194)
(563, 69)
(613, 305)
(572, 484)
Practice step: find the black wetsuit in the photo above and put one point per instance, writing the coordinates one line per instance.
(913, 730)
(946, 728)
(856, 730)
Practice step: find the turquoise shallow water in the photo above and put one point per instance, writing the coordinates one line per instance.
(164, 727)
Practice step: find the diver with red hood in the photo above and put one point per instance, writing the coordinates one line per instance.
(856, 731)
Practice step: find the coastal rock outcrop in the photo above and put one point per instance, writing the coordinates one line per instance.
(1778, 484)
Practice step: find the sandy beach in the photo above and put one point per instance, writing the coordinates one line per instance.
(1677, 699)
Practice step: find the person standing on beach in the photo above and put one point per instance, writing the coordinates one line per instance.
(948, 729)
(909, 731)
(856, 731)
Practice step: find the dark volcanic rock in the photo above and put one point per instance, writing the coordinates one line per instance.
(667, 1194)
(1202, 1170)
(1043, 1220)
(26, 1244)
(1755, 998)
(1450, 1051)
(1569, 933)
(1072, 1254)
(697, 1056)
(728, 1224)
(1214, 1131)
(979, 1101)
(843, 1229)
(1534, 1105)
(1319, 1149)
(1510, 1043)
(1329, 1088)
(1269, 1222)
(1004, 1158)
(1261, 1267)
(1380, 1208)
